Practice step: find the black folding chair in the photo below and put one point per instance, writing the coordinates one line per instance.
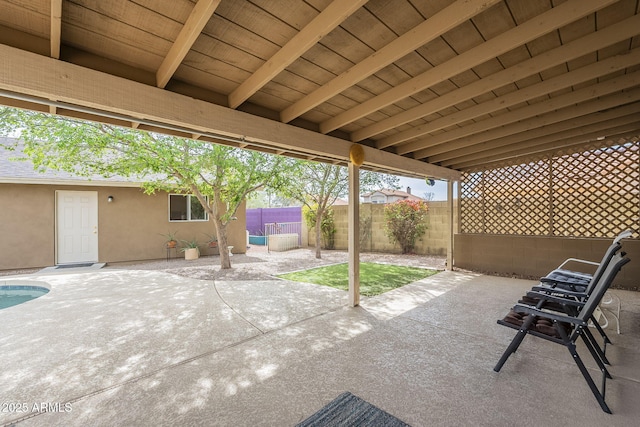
(577, 281)
(561, 328)
(563, 297)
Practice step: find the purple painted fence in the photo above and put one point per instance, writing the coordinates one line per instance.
(257, 218)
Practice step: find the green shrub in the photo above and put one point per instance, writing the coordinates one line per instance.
(406, 222)
(327, 225)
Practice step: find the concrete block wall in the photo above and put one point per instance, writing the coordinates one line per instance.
(537, 255)
(433, 242)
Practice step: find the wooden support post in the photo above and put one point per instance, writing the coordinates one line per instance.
(354, 233)
(451, 225)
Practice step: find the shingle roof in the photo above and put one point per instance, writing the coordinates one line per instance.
(398, 193)
(14, 171)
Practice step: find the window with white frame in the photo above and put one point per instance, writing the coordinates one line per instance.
(378, 198)
(186, 208)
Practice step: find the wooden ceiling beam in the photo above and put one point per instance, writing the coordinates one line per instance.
(562, 81)
(559, 16)
(533, 124)
(40, 77)
(567, 52)
(424, 148)
(443, 21)
(332, 16)
(55, 34)
(552, 150)
(586, 132)
(613, 134)
(200, 15)
(56, 28)
(536, 132)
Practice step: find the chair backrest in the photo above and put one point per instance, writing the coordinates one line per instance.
(611, 251)
(610, 272)
(624, 235)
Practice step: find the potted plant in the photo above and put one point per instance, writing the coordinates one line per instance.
(171, 240)
(212, 242)
(190, 249)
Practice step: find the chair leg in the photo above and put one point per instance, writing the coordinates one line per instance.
(515, 343)
(602, 333)
(595, 353)
(594, 389)
(600, 351)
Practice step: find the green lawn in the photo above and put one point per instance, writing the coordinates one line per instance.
(374, 278)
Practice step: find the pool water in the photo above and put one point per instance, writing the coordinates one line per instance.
(11, 295)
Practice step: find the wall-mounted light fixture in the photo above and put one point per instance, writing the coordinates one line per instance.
(110, 199)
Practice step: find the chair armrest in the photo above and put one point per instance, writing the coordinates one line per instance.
(547, 290)
(554, 298)
(582, 261)
(551, 281)
(521, 308)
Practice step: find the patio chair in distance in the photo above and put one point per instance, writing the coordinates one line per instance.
(575, 280)
(564, 329)
(571, 292)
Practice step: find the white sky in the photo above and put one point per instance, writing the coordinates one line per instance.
(419, 187)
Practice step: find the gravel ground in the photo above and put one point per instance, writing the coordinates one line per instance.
(18, 272)
(258, 264)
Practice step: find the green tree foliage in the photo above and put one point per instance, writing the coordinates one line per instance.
(221, 177)
(406, 222)
(327, 225)
(267, 198)
(318, 185)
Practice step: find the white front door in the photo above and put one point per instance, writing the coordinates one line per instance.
(76, 226)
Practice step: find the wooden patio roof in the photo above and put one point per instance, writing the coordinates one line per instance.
(428, 88)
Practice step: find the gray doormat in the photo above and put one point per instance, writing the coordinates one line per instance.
(349, 410)
(86, 264)
(71, 268)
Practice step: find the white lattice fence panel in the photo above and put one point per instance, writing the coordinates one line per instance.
(507, 200)
(472, 203)
(593, 192)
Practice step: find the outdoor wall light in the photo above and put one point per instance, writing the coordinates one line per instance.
(110, 199)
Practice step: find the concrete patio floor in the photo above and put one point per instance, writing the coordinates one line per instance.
(145, 348)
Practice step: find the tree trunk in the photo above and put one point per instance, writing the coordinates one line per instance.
(221, 232)
(319, 213)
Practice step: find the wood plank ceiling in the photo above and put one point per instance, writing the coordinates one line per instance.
(461, 84)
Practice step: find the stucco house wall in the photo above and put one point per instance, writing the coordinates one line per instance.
(388, 196)
(535, 256)
(129, 229)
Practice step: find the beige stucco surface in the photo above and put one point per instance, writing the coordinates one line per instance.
(148, 348)
(535, 256)
(129, 229)
(532, 256)
(433, 242)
